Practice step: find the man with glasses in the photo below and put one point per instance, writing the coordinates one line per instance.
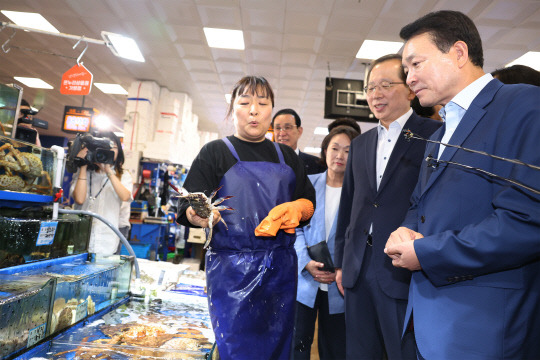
(287, 130)
(382, 170)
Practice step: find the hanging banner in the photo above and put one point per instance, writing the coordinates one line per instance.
(76, 81)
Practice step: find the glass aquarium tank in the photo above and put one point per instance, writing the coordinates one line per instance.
(25, 168)
(31, 235)
(25, 304)
(82, 287)
(10, 95)
(137, 330)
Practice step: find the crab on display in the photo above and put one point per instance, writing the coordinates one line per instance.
(21, 170)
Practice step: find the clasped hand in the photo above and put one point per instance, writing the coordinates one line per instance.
(400, 248)
(324, 277)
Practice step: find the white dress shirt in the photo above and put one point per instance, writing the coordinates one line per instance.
(387, 140)
(453, 112)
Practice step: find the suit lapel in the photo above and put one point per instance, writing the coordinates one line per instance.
(401, 147)
(472, 116)
(432, 149)
(370, 152)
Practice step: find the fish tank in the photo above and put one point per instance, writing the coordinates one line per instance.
(26, 172)
(25, 305)
(137, 330)
(31, 235)
(10, 97)
(82, 287)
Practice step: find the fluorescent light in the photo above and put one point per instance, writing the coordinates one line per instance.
(33, 82)
(321, 131)
(122, 46)
(374, 49)
(111, 88)
(30, 20)
(313, 150)
(228, 98)
(224, 39)
(531, 59)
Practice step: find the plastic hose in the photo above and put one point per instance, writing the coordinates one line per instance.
(116, 231)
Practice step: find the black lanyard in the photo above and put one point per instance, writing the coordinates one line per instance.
(99, 192)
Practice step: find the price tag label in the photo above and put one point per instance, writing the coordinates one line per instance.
(82, 311)
(47, 231)
(36, 334)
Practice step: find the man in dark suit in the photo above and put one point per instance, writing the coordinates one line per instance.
(381, 173)
(287, 130)
(474, 236)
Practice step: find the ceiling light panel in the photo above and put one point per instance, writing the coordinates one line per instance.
(30, 20)
(224, 38)
(122, 46)
(33, 82)
(374, 49)
(111, 88)
(530, 59)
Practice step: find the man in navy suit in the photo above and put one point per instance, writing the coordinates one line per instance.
(381, 173)
(287, 127)
(472, 239)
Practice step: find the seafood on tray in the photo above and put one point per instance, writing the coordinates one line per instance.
(203, 206)
(136, 341)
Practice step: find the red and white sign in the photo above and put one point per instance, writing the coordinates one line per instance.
(76, 81)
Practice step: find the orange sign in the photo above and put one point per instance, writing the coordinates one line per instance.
(76, 81)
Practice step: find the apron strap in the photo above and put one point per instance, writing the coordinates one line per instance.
(231, 148)
(235, 154)
(280, 154)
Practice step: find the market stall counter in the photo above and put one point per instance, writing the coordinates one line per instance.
(167, 318)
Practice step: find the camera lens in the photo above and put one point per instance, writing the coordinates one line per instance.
(101, 156)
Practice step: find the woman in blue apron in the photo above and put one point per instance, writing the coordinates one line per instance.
(251, 279)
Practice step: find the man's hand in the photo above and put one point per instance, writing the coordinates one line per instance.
(339, 275)
(199, 221)
(400, 248)
(324, 277)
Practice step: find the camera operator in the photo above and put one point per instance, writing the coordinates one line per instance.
(101, 188)
(26, 116)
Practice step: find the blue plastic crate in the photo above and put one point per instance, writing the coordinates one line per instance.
(152, 234)
(141, 251)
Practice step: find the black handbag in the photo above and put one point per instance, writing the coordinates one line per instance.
(320, 253)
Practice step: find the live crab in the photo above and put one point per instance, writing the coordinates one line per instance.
(203, 206)
(18, 165)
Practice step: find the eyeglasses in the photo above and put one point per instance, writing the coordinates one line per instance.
(285, 128)
(383, 86)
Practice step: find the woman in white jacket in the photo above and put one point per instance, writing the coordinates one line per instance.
(317, 290)
(101, 188)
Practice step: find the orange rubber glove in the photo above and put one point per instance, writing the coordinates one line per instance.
(286, 216)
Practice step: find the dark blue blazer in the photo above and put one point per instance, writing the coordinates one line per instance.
(362, 204)
(313, 164)
(478, 294)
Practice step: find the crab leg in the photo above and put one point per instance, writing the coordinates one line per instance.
(220, 200)
(210, 226)
(214, 192)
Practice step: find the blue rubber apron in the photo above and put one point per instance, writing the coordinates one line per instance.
(252, 280)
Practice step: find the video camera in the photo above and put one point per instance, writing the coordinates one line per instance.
(25, 119)
(25, 133)
(99, 151)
